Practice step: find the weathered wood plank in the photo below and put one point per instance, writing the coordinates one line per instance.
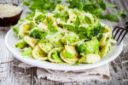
(12, 75)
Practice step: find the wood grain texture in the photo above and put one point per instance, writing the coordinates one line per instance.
(14, 75)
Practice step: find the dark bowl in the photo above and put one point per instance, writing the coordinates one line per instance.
(9, 21)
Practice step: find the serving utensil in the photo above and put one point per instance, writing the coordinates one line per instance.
(120, 32)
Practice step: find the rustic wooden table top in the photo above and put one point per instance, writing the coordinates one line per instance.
(14, 75)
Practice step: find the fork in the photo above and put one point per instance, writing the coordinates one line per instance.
(120, 32)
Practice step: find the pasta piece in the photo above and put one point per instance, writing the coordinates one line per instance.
(89, 19)
(89, 58)
(104, 50)
(112, 41)
(104, 38)
(60, 7)
(107, 29)
(24, 28)
(38, 17)
(38, 54)
(72, 16)
(54, 56)
(27, 52)
(61, 12)
(54, 39)
(30, 41)
(69, 54)
(70, 39)
(46, 46)
(59, 22)
(51, 23)
(43, 26)
(49, 19)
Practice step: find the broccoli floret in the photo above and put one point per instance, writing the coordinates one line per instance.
(21, 44)
(95, 30)
(27, 52)
(56, 57)
(15, 29)
(98, 29)
(90, 31)
(91, 46)
(37, 33)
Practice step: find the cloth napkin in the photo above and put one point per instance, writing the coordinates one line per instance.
(100, 73)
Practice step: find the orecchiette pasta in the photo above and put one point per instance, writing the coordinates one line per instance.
(64, 35)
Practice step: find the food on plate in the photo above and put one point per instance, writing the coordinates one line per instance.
(64, 35)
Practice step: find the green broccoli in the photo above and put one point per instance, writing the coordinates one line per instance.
(37, 33)
(21, 44)
(15, 29)
(56, 57)
(91, 46)
(98, 29)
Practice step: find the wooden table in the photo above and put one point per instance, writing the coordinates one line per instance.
(14, 75)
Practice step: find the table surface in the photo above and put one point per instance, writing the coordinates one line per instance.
(14, 75)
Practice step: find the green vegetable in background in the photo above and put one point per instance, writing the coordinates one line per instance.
(41, 5)
(96, 7)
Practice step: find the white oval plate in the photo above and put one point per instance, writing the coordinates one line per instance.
(11, 39)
